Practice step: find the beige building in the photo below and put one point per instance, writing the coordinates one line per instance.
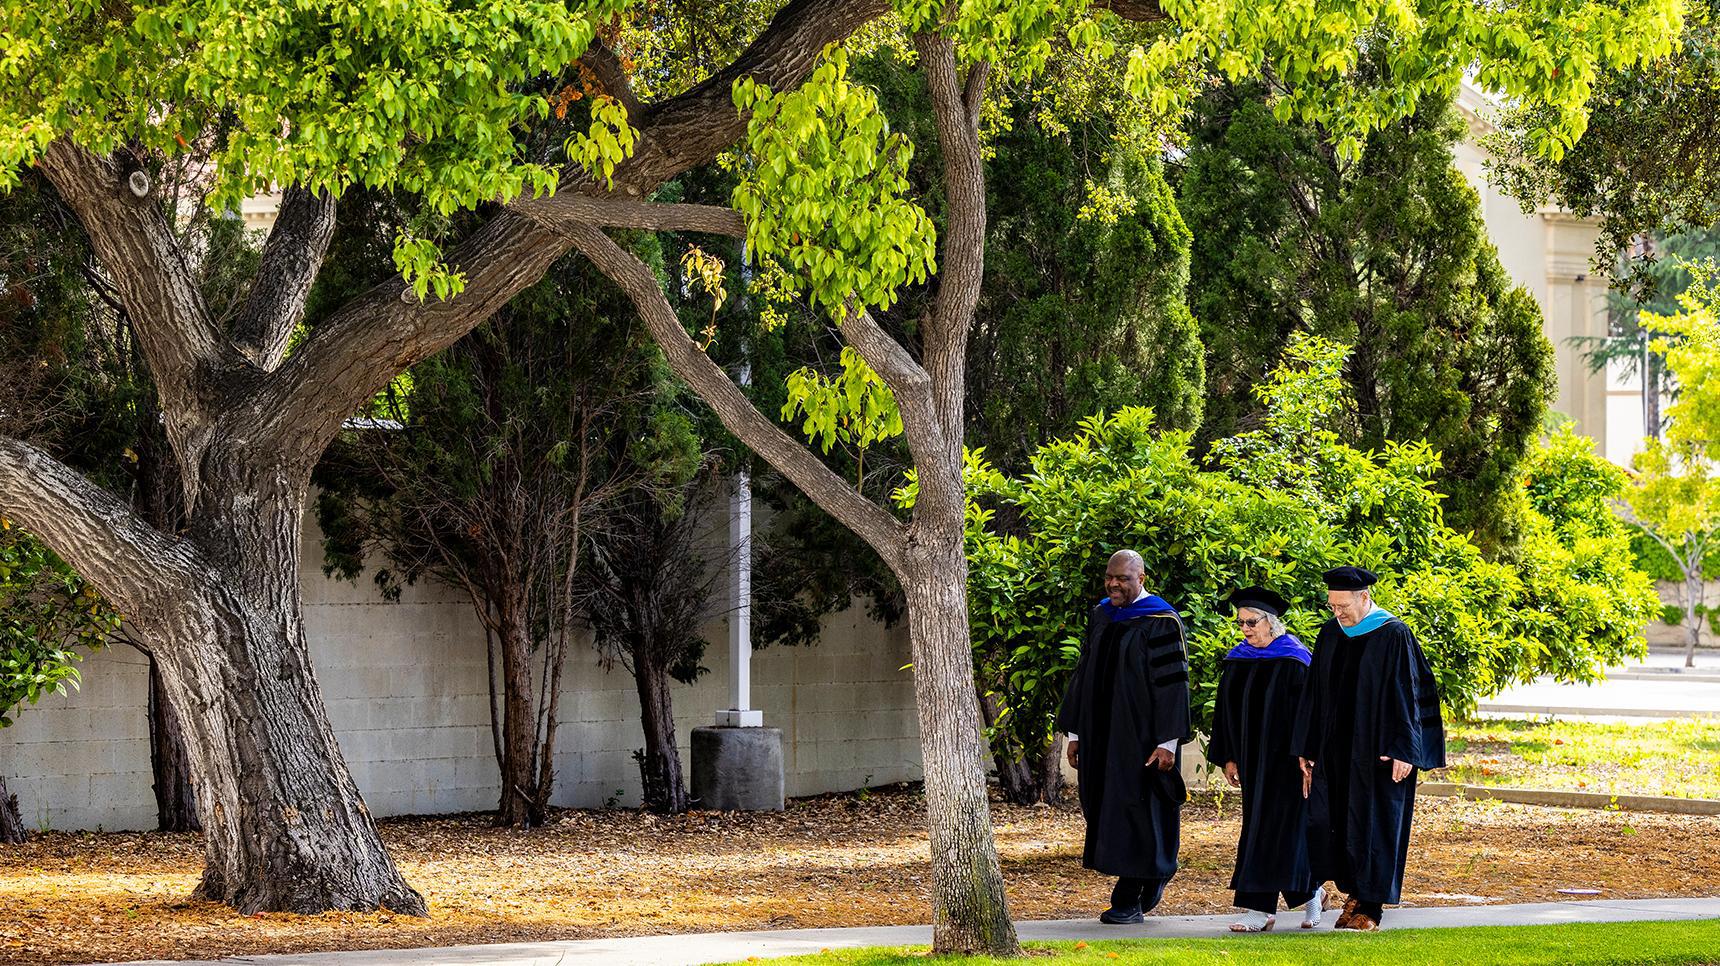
(1550, 252)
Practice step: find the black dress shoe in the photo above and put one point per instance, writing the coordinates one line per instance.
(1122, 917)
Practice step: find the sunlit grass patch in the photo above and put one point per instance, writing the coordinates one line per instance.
(1679, 758)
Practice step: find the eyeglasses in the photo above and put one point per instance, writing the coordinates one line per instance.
(1248, 623)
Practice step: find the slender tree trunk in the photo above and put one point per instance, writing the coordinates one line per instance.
(1650, 392)
(1048, 770)
(970, 913)
(519, 729)
(285, 828)
(1693, 609)
(554, 661)
(1027, 778)
(175, 802)
(11, 824)
(662, 788)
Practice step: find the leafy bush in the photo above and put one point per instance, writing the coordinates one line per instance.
(47, 613)
(1277, 506)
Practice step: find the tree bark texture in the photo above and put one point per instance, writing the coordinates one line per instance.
(969, 911)
(520, 806)
(663, 787)
(286, 830)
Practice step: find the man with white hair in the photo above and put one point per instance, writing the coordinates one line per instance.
(1369, 718)
(1126, 712)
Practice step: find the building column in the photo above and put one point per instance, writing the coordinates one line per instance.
(1576, 315)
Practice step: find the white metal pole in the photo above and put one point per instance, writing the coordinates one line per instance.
(740, 713)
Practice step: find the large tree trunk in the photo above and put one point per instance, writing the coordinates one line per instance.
(11, 824)
(969, 910)
(175, 802)
(519, 729)
(285, 829)
(662, 788)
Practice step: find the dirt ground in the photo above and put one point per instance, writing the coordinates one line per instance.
(834, 861)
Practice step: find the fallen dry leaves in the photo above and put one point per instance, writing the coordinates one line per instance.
(834, 861)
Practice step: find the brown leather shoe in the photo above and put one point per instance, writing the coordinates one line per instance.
(1361, 923)
(1348, 915)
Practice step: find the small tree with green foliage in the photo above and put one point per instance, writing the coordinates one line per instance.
(504, 453)
(647, 592)
(1676, 500)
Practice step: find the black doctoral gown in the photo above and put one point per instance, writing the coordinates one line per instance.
(1367, 696)
(1252, 724)
(1128, 695)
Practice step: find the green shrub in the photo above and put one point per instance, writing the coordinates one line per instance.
(1277, 506)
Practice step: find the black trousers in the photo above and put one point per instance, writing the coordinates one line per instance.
(1267, 902)
(1130, 893)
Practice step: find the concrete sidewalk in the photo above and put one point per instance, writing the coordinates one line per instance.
(693, 950)
(1656, 687)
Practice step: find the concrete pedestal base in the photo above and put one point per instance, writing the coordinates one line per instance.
(738, 769)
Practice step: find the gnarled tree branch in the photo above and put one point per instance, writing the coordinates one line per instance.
(378, 334)
(606, 68)
(288, 268)
(136, 566)
(386, 330)
(560, 210)
(871, 522)
(893, 363)
(190, 360)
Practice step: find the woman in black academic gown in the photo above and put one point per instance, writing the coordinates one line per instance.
(1258, 693)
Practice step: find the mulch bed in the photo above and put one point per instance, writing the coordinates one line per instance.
(829, 861)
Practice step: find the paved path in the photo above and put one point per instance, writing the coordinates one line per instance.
(693, 950)
(1659, 687)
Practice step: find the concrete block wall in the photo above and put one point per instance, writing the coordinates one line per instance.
(82, 760)
(405, 689)
(1674, 635)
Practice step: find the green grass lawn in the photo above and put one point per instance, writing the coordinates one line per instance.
(1580, 944)
(1678, 758)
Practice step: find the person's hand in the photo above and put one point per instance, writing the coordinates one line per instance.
(1400, 769)
(1074, 756)
(1307, 775)
(1162, 759)
(1231, 776)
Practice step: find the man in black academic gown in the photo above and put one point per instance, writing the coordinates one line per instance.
(1125, 713)
(1369, 718)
